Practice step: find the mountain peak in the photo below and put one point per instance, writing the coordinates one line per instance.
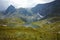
(10, 9)
(11, 6)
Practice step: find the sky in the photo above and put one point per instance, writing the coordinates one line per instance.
(22, 3)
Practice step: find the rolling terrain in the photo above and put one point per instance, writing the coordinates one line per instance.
(48, 29)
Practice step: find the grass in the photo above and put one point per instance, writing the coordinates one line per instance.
(46, 31)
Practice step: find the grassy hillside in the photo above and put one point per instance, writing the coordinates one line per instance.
(47, 30)
(50, 25)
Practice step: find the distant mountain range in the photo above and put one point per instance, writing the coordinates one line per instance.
(23, 13)
(35, 13)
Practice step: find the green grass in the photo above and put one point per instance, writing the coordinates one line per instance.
(46, 31)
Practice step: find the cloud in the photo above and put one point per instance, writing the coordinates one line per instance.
(21, 3)
(28, 3)
(4, 4)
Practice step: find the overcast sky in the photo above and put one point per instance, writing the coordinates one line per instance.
(21, 3)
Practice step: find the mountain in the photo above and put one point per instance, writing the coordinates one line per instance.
(10, 9)
(49, 8)
(24, 11)
(36, 13)
(43, 9)
(25, 14)
(1, 14)
(56, 9)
